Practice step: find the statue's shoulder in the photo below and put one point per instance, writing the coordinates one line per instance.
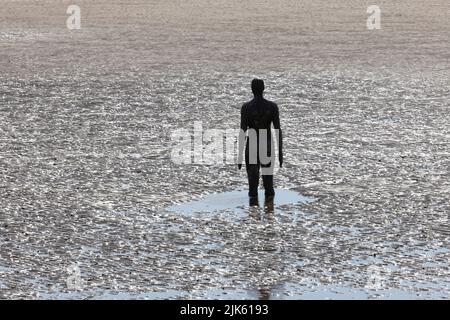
(245, 105)
(273, 105)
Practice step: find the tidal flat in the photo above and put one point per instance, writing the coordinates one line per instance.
(87, 180)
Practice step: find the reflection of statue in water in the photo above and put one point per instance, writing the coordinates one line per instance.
(267, 242)
(264, 293)
(268, 206)
(257, 116)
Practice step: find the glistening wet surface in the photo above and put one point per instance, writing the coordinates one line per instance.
(86, 177)
(235, 204)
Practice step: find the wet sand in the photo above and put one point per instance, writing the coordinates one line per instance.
(86, 177)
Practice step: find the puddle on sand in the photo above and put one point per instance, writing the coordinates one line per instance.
(236, 201)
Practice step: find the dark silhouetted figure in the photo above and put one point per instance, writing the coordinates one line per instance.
(257, 116)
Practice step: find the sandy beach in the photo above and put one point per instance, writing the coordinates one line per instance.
(86, 177)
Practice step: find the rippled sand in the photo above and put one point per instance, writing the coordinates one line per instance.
(86, 177)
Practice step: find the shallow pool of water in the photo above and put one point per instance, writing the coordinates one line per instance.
(237, 201)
